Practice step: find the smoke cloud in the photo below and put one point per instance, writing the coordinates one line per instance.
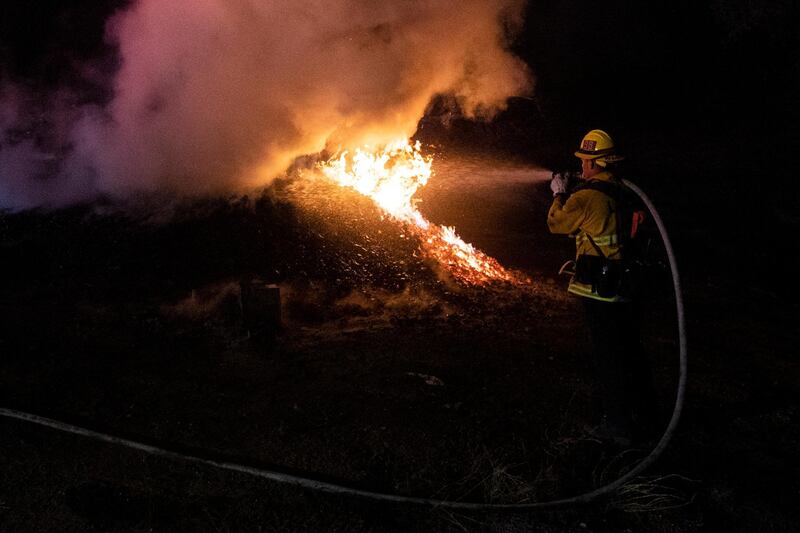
(220, 95)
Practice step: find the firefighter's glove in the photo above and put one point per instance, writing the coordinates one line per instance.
(558, 184)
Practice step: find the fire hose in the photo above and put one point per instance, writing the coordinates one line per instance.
(311, 483)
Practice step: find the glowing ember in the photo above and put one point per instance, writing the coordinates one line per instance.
(390, 177)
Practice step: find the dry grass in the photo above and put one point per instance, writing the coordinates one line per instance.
(654, 493)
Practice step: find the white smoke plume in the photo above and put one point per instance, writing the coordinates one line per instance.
(220, 95)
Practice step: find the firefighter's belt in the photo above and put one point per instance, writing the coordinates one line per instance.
(603, 240)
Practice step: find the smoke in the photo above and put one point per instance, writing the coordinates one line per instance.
(220, 95)
(35, 132)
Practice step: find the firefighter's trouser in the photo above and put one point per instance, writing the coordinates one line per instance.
(623, 370)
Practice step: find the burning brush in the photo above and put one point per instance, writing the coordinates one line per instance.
(391, 176)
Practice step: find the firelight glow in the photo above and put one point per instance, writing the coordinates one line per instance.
(390, 176)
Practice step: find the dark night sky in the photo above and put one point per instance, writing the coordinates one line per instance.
(40, 40)
(678, 72)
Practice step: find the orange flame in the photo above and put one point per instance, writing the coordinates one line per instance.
(390, 177)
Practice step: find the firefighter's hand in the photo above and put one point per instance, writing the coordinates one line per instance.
(558, 184)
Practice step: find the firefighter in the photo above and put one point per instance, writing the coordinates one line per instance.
(590, 215)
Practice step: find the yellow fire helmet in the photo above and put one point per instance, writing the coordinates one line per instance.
(599, 146)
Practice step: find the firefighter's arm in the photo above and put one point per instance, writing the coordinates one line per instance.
(566, 214)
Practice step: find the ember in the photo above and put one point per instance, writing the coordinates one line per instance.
(390, 177)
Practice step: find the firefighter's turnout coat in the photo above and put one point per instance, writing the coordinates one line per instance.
(588, 212)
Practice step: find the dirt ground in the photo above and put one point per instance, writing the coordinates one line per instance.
(385, 375)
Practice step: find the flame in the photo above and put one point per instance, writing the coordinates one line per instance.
(390, 176)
